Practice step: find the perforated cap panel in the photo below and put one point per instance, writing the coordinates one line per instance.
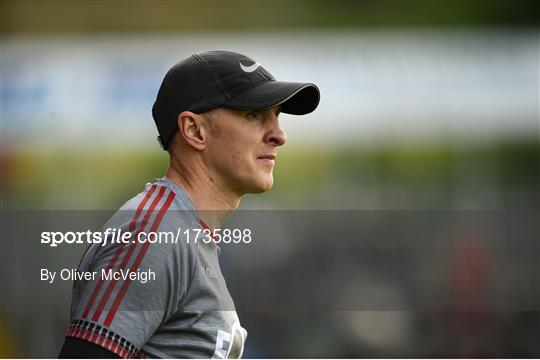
(187, 86)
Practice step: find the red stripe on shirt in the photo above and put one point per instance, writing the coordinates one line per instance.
(101, 340)
(78, 332)
(127, 256)
(108, 344)
(83, 333)
(87, 334)
(115, 347)
(94, 337)
(138, 260)
(118, 251)
(140, 208)
(206, 227)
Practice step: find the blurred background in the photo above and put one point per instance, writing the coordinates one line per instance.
(425, 106)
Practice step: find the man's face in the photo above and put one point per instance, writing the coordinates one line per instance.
(242, 148)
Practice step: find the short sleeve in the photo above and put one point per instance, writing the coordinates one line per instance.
(136, 287)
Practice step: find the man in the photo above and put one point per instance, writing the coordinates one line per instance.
(217, 116)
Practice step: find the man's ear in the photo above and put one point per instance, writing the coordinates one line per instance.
(190, 126)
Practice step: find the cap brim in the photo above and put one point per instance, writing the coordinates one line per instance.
(294, 98)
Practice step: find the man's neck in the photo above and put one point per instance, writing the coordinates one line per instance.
(212, 203)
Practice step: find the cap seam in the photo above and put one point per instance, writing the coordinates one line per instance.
(212, 73)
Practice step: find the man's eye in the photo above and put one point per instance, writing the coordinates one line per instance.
(254, 114)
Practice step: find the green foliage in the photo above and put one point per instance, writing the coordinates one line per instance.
(304, 177)
(83, 16)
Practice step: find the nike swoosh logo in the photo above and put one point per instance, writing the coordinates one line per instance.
(249, 69)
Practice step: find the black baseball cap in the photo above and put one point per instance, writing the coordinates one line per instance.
(212, 79)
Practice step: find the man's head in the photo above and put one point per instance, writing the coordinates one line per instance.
(226, 107)
(238, 148)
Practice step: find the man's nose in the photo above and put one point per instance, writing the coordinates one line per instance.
(276, 135)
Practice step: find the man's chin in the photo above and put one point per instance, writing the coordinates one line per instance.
(262, 187)
(260, 190)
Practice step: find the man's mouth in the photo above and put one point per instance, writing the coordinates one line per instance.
(267, 159)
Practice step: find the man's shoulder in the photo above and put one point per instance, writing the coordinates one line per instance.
(161, 202)
(158, 193)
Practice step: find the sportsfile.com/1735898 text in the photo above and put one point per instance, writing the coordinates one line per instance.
(118, 236)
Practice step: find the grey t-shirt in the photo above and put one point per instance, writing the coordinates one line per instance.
(174, 303)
